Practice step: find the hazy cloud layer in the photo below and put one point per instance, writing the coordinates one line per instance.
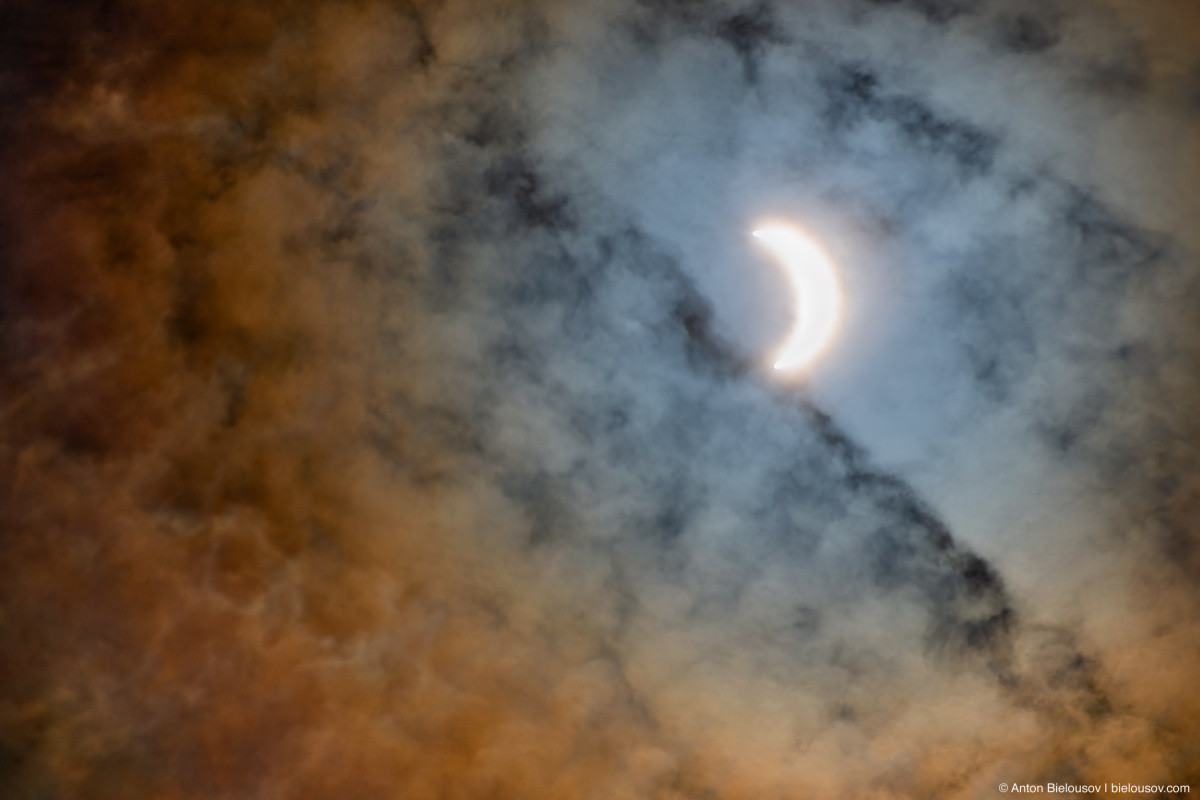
(385, 410)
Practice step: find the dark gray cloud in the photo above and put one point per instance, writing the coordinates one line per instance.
(385, 409)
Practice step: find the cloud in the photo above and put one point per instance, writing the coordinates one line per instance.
(384, 411)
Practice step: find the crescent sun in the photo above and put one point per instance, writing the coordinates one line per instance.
(818, 298)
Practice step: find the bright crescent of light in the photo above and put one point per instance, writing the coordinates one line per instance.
(817, 295)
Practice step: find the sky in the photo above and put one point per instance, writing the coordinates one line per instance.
(386, 407)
